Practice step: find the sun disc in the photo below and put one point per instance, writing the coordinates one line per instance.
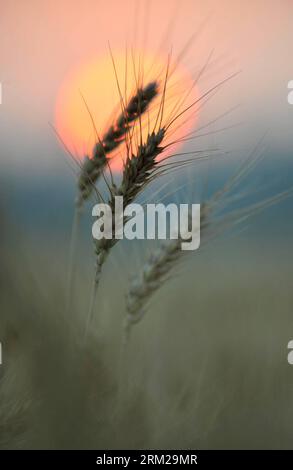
(89, 100)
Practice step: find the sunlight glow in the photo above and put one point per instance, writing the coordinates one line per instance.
(95, 84)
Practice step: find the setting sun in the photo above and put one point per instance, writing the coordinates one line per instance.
(90, 93)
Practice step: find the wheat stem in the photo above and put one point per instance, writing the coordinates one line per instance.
(155, 272)
(93, 168)
(96, 281)
(138, 171)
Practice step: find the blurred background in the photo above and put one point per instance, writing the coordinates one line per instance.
(207, 367)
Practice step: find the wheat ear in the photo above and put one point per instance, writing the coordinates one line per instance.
(157, 269)
(159, 265)
(138, 171)
(154, 273)
(93, 167)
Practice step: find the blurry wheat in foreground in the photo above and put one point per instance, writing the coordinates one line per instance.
(69, 381)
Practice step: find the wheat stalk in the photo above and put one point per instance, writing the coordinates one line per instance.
(93, 167)
(139, 170)
(154, 273)
(160, 264)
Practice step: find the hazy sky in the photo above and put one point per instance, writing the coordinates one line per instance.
(41, 41)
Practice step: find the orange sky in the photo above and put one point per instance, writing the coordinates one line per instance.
(41, 41)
